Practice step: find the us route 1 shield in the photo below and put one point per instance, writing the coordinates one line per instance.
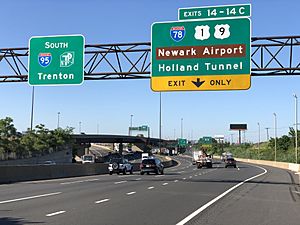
(201, 55)
(56, 60)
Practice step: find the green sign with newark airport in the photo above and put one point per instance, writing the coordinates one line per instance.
(201, 55)
(56, 60)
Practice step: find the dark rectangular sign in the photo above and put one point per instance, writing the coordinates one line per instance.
(238, 126)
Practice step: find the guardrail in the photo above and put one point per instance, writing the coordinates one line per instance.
(11, 174)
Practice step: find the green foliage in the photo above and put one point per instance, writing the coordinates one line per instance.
(34, 142)
(8, 136)
(285, 149)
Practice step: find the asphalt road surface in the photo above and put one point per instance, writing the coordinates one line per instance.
(184, 195)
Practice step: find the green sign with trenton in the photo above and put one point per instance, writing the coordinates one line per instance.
(56, 60)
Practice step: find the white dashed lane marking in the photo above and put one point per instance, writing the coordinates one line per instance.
(149, 188)
(120, 182)
(131, 193)
(103, 200)
(55, 213)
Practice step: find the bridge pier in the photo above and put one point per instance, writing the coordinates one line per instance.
(121, 148)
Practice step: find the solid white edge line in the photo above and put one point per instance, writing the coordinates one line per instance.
(103, 200)
(55, 213)
(202, 208)
(79, 181)
(30, 197)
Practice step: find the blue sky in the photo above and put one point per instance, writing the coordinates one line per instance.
(110, 103)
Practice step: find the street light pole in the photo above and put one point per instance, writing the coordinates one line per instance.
(32, 107)
(129, 131)
(181, 128)
(258, 139)
(160, 122)
(79, 128)
(267, 128)
(275, 134)
(58, 119)
(231, 139)
(296, 127)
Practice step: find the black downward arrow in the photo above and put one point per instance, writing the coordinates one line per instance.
(198, 83)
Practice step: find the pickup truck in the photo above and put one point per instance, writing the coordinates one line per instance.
(204, 161)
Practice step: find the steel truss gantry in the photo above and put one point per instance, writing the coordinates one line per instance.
(270, 56)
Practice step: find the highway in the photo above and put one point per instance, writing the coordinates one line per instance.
(245, 195)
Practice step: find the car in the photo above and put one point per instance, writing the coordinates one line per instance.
(120, 165)
(145, 156)
(49, 162)
(88, 159)
(230, 161)
(151, 165)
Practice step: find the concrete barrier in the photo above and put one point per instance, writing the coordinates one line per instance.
(10, 174)
(282, 165)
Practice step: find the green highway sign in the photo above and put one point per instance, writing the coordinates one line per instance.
(56, 60)
(182, 142)
(201, 55)
(140, 128)
(214, 12)
(205, 141)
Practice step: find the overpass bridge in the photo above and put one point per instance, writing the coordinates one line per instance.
(143, 143)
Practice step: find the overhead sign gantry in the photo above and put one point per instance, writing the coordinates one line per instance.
(202, 54)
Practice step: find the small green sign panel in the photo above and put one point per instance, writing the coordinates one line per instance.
(182, 142)
(205, 142)
(56, 60)
(215, 12)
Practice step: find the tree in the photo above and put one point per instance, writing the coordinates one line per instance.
(60, 137)
(292, 135)
(284, 143)
(8, 136)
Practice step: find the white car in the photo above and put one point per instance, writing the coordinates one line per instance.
(120, 165)
(88, 159)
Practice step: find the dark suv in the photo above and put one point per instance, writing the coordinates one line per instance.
(230, 162)
(151, 165)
